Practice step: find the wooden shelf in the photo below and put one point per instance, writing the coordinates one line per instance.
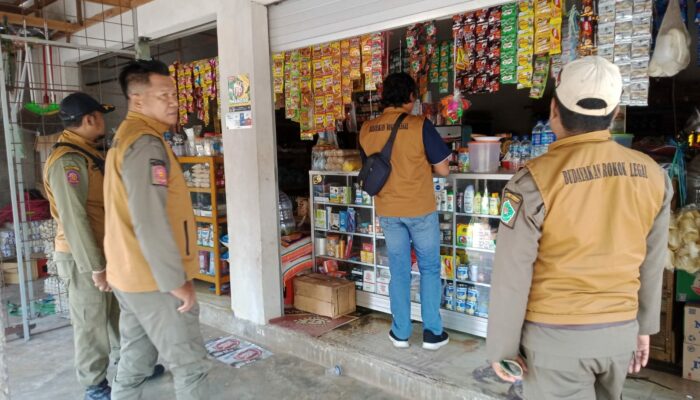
(212, 279)
(215, 220)
(200, 159)
(205, 190)
(210, 220)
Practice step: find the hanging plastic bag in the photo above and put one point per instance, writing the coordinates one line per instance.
(672, 51)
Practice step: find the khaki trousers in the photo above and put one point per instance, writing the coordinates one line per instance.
(151, 325)
(577, 364)
(95, 319)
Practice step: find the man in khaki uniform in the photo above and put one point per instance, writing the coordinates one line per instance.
(150, 241)
(73, 182)
(576, 289)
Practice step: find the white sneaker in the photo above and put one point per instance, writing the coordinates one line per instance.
(432, 341)
(398, 343)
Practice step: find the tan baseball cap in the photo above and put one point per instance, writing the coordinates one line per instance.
(590, 77)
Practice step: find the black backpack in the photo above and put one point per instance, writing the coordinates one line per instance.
(376, 168)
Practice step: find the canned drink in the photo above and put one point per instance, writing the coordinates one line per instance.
(449, 303)
(474, 273)
(461, 306)
(470, 308)
(449, 291)
(462, 292)
(472, 294)
(463, 272)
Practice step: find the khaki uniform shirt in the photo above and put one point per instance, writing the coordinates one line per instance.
(513, 275)
(67, 181)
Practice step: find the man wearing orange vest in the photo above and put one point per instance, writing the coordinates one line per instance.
(73, 177)
(577, 278)
(406, 208)
(150, 241)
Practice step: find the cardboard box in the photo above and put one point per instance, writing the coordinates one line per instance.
(691, 330)
(367, 257)
(10, 273)
(383, 279)
(383, 288)
(687, 286)
(447, 267)
(334, 194)
(369, 287)
(345, 195)
(691, 362)
(369, 276)
(324, 295)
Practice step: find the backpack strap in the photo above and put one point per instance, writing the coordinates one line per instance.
(386, 151)
(97, 161)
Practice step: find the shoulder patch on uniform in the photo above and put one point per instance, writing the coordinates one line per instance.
(72, 175)
(159, 174)
(510, 208)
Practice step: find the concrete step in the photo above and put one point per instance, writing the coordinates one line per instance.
(456, 371)
(398, 378)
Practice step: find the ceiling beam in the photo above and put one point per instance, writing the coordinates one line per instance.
(35, 9)
(52, 24)
(114, 3)
(104, 15)
(10, 8)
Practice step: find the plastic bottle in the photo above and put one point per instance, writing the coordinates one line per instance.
(450, 200)
(494, 204)
(525, 150)
(548, 136)
(477, 203)
(469, 200)
(470, 233)
(507, 161)
(485, 202)
(474, 237)
(286, 215)
(515, 153)
(335, 370)
(537, 139)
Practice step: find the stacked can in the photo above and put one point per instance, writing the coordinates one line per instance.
(472, 300)
(461, 296)
(449, 297)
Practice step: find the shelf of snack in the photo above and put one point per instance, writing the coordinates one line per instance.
(204, 176)
(349, 242)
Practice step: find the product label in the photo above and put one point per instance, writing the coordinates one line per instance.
(510, 208)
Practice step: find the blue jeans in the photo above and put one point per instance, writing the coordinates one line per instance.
(425, 233)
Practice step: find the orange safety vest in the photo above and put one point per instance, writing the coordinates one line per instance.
(127, 268)
(601, 200)
(95, 202)
(409, 190)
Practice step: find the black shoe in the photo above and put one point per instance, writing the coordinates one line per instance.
(398, 343)
(101, 391)
(432, 341)
(158, 371)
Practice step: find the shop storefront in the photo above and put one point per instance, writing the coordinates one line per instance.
(486, 74)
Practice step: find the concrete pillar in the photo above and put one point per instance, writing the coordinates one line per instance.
(251, 164)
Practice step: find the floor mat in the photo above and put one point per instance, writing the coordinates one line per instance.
(235, 352)
(311, 324)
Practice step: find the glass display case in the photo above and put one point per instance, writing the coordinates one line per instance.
(349, 243)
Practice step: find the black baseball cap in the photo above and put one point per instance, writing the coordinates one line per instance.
(77, 104)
